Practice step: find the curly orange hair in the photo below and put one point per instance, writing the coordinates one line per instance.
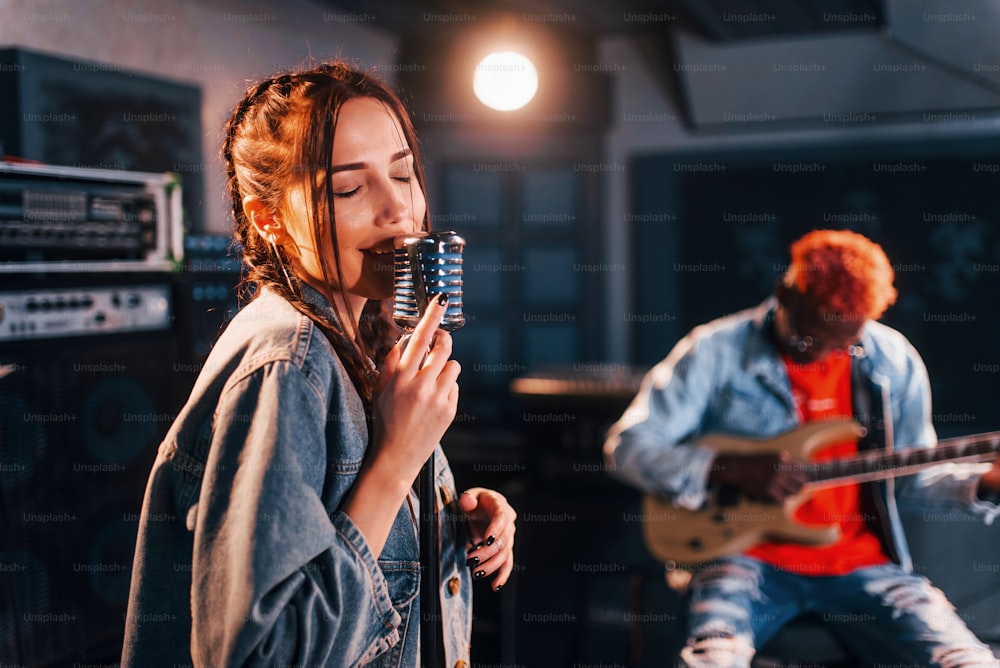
(844, 272)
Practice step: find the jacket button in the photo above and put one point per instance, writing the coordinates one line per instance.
(445, 495)
(454, 586)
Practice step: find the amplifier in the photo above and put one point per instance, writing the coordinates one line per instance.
(56, 312)
(208, 290)
(91, 376)
(565, 414)
(79, 219)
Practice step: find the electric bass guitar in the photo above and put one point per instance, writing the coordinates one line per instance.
(726, 526)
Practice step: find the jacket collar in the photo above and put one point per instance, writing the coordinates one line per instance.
(761, 355)
(315, 298)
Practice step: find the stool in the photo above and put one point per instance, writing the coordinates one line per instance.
(805, 642)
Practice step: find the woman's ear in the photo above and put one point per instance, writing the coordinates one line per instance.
(263, 220)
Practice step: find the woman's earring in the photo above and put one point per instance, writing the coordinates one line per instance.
(272, 239)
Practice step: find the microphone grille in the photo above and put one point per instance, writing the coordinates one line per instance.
(424, 265)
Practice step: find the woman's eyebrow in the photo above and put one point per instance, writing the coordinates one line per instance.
(362, 165)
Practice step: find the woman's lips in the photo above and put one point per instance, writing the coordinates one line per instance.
(381, 258)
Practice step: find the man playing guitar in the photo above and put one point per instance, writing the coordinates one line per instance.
(814, 351)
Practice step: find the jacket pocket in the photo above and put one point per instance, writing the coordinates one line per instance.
(403, 580)
(753, 410)
(187, 472)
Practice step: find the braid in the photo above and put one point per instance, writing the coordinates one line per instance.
(283, 122)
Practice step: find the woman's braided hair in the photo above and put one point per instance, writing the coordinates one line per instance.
(279, 134)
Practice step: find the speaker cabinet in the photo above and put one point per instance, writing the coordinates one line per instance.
(80, 422)
(102, 116)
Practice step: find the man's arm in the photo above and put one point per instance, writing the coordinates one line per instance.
(648, 447)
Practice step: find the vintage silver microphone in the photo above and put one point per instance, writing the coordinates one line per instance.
(426, 265)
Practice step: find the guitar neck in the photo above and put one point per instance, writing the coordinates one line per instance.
(879, 465)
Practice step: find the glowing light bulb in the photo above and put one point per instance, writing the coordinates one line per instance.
(505, 81)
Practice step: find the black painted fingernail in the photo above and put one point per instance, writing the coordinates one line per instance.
(479, 575)
(474, 548)
(472, 562)
(442, 298)
(491, 540)
(498, 588)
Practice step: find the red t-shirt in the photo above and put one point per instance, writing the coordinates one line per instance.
(823, 390)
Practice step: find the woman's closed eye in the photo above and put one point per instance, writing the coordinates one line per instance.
(347, 193)
(402, 168)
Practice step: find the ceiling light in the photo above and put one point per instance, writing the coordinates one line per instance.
(505, 81)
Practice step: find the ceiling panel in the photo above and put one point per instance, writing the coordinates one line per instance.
(777, 60)
(713, 19)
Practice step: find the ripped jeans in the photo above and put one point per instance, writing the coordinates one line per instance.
(882, 613)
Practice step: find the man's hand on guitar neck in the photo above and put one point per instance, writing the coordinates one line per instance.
(763, 477)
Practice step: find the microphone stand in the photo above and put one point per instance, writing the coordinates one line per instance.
(430, 576)
(430, 581)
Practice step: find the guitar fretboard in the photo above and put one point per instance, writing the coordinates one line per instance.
(878, 465)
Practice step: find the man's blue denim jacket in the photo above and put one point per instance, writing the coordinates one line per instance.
(727, 376)
(244, 557)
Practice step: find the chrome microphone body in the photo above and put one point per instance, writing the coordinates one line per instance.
(425, 265)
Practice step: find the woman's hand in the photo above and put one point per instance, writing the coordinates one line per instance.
(414, 401)
(415, 398)
(491, 534)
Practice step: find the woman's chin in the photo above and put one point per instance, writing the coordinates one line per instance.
(376, 289)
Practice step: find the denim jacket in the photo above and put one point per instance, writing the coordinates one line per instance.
(727, 376)
(244, 557)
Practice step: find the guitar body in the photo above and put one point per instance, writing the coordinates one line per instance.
(725, 527)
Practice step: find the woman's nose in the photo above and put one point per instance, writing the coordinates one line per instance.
(396, 203)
